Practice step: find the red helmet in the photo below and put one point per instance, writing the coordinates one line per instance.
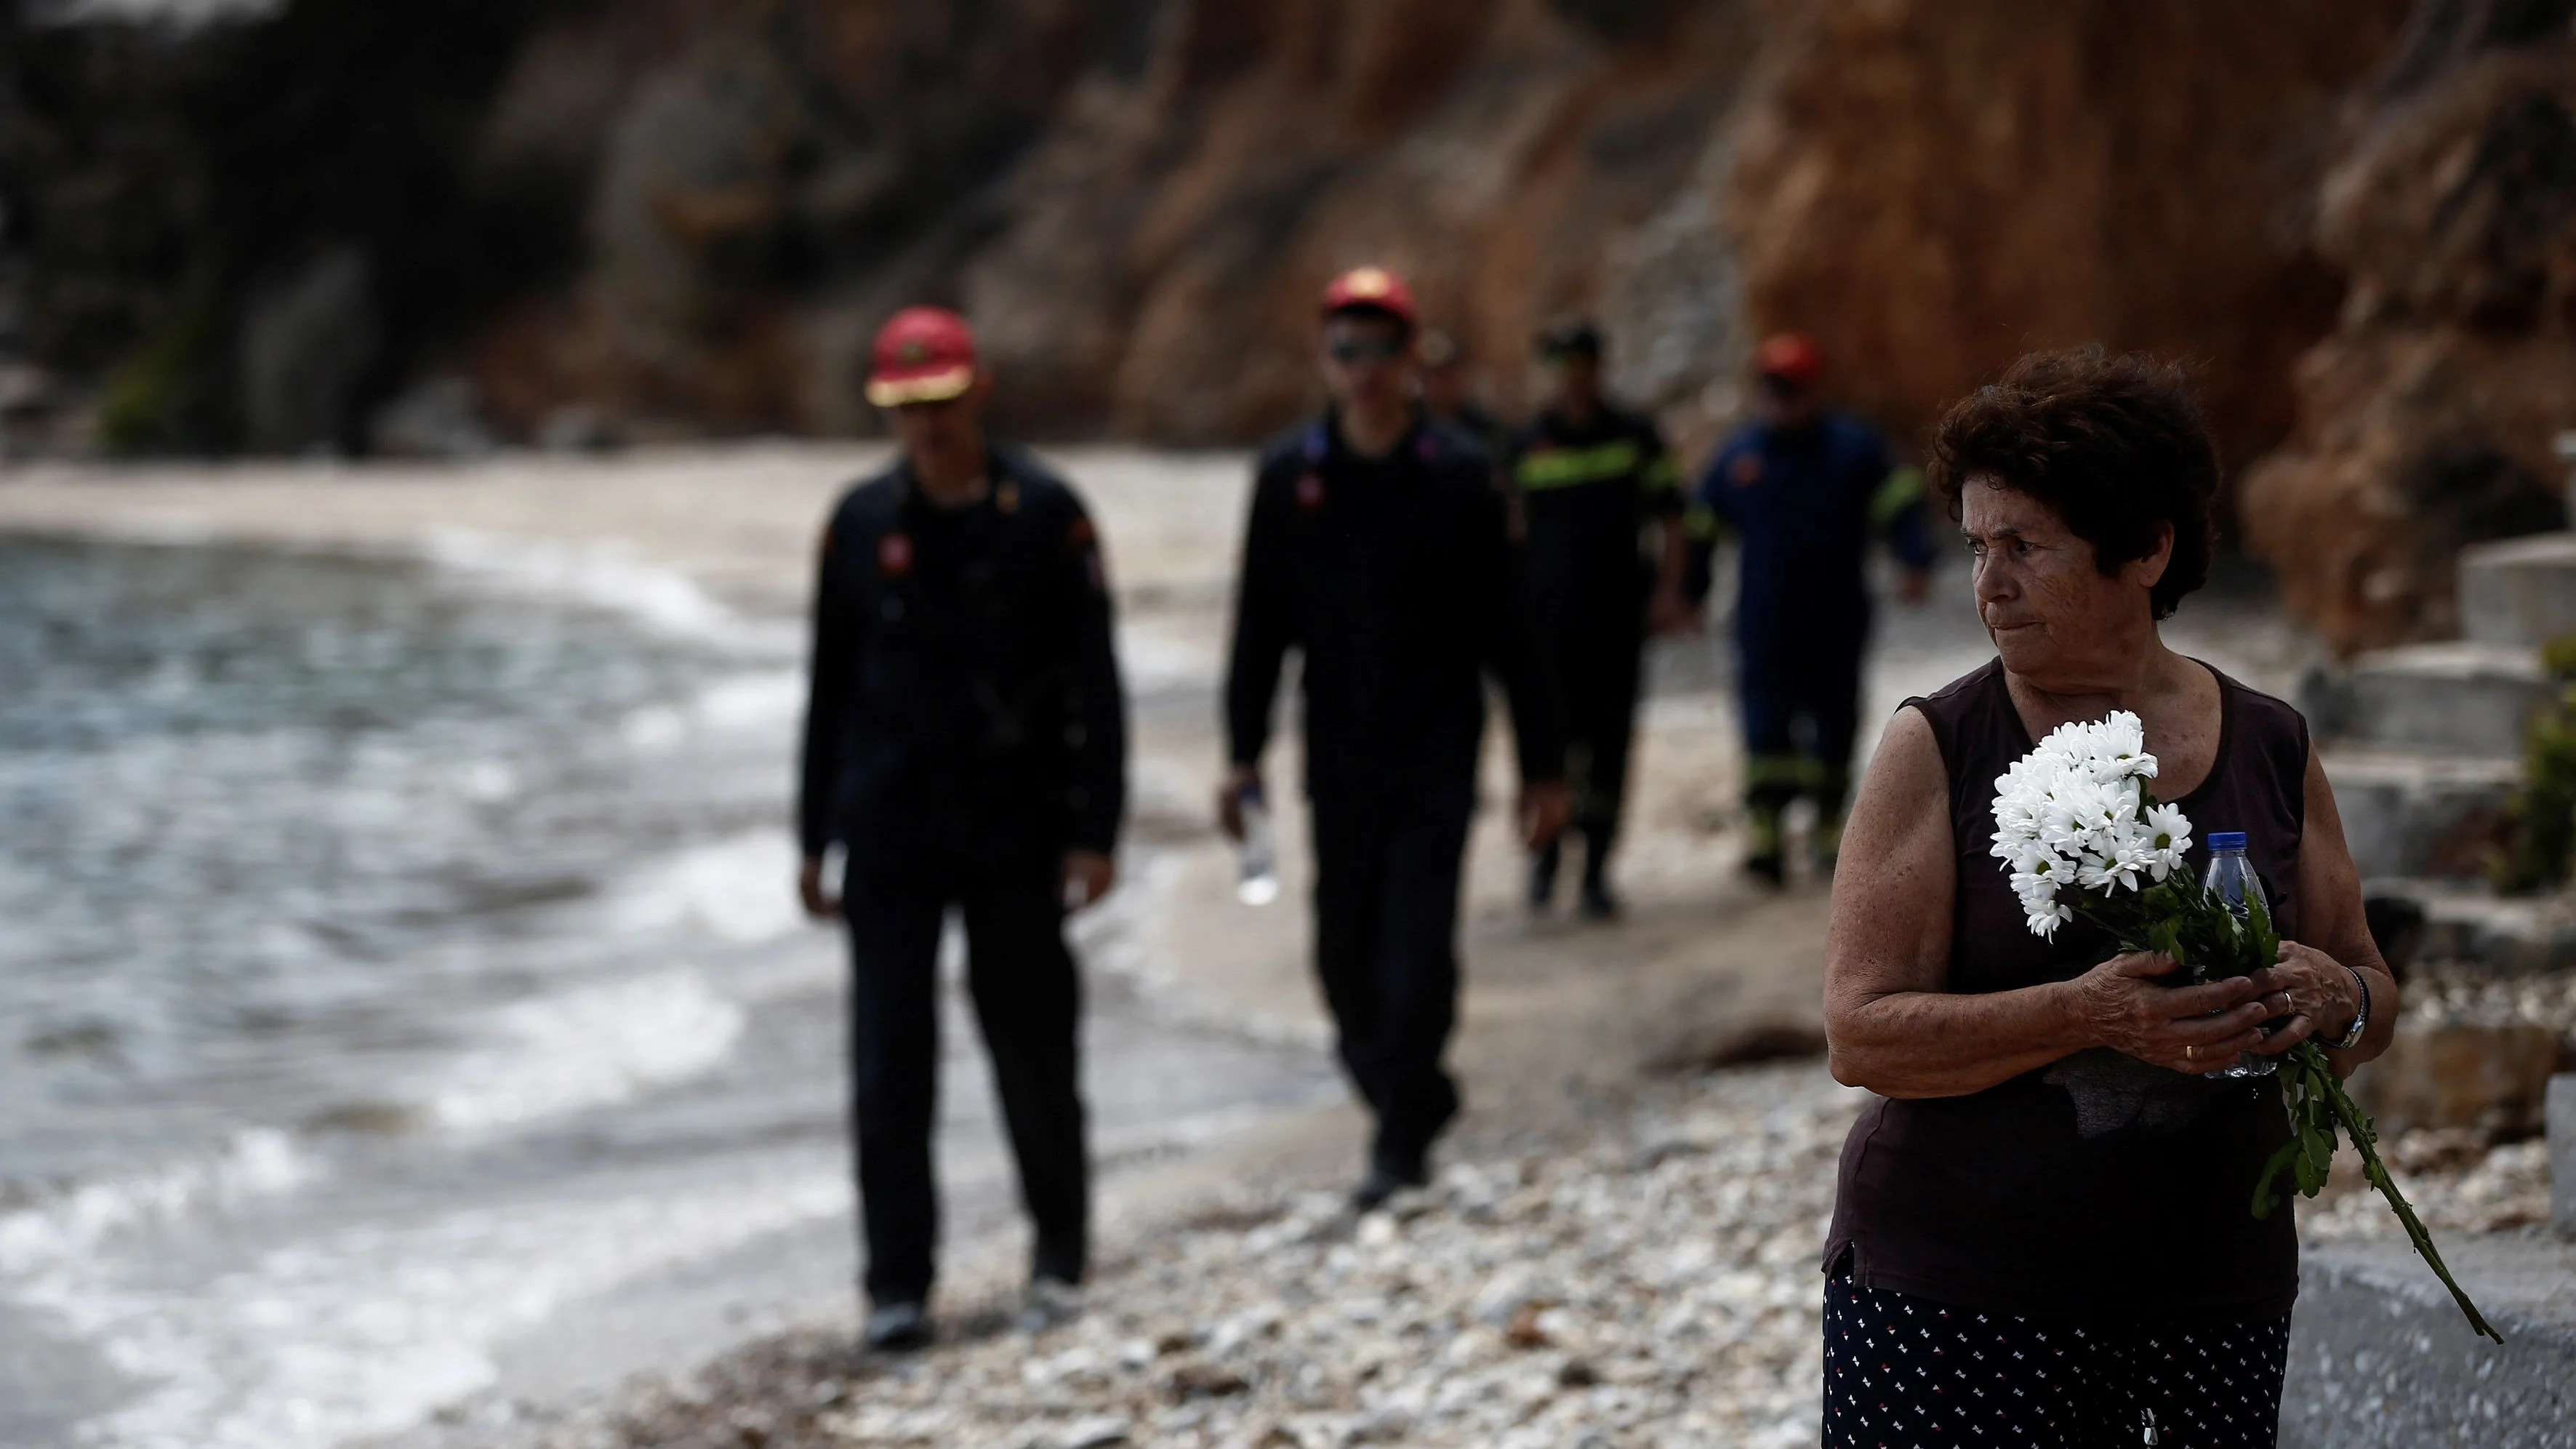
(1790, 356)
(922, 354)
(1374, 288)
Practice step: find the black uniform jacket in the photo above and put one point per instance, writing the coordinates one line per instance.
(965, 697)
(1396, 580)
(1587, 493)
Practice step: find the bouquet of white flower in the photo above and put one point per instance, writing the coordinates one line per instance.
(2082, 835)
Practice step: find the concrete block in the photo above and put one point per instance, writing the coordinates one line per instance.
(2520, 590)
(2491, 1079)
(2454, 698)
(2433, 816)
(2380, 1358)
(2562, 1153)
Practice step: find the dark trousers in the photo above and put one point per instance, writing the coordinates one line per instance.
(1598, 670)
(1801, 702)
(1027, 998)
(1386, 926)
(1903, 1372)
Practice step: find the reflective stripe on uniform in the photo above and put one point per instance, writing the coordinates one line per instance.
(1764, 770)
(1568, 467)
(1799, 771)
(1901, 491)
(1661, 474)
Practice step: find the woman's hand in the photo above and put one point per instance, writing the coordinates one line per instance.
(2313, 990)
(2119, 1004)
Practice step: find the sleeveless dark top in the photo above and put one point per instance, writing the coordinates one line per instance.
(2098, 1186)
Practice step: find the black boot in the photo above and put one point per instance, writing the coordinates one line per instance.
(1542, 876)
(1599, 904)
(1390, 1173)
(898, 1327)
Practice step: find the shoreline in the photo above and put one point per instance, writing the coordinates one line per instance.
(1560, 1023)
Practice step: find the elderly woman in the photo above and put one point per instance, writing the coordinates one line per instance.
(2042, 1233)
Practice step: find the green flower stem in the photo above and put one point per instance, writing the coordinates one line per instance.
(2318, 1077)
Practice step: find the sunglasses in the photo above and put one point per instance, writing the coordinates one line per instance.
(1364, 349)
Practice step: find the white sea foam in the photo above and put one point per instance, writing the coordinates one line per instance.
(369, 1330)
(738, 889)
(600, 574)
(751, 701)
(769, 701)
(587, 1048)
(256, 1162)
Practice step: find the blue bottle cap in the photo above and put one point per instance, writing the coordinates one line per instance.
(2227, 840)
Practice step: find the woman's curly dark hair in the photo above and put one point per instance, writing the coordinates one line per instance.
(2114, 443)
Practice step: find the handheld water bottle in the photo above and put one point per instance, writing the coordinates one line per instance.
(1256, 881)
(2231, 877)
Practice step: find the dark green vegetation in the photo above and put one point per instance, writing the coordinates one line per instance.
(158, 184)
(2539, 847)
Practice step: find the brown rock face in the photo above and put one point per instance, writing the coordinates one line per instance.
(1928, 190)
(1166, 243)
(690, 214)
(2425, 419)
(1933, 190)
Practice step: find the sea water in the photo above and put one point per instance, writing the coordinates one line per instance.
(397, 954)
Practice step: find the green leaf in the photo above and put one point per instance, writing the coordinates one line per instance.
(2265, 1199)
(2319, 1147)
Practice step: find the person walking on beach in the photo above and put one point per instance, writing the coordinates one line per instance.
(1592, 479)
(966, 747)
(1378, 549)
(1449, 396)
(1806, 486)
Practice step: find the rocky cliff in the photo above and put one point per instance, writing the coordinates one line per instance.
(1930, 192)
(2426, 417)
(1933, 190)
(687, 215)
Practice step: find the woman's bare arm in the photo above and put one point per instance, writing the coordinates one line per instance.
(2322, 994)
(1891, 1026)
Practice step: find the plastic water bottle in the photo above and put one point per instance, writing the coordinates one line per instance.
(2232, 877)
(1256, 881)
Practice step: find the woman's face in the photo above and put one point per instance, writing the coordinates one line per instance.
(2042, 600)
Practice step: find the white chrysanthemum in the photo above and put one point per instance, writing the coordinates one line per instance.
(2168, 838)
(2117, 871)
(2044, 923)
(2072, 815)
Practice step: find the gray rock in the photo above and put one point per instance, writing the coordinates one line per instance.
(2562, 1153)
(440, 418)
(307, 340)
(1093, 1433)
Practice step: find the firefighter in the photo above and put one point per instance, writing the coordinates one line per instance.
(965, 746)
(1593, 483)
(1806, 486)
(1377, 549)
(1447, 395)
